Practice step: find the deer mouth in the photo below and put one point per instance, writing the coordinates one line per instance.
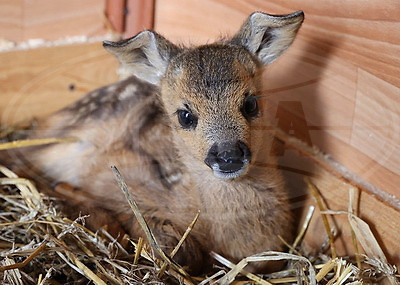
(230, 173)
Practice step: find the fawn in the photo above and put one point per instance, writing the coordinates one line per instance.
(180, 131)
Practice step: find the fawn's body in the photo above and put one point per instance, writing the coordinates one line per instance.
(179, 131)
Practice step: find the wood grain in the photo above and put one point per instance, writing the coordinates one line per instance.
(140, 16)
(21, 20)
(343, 69)
(37, 82)
(115, 10)
(11, 19)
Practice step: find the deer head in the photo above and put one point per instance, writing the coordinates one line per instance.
(210, 92)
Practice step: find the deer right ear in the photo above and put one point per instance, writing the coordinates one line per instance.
(145, 55)
(268, 36)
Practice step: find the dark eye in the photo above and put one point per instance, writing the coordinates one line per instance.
(250, 107)
(186, 119)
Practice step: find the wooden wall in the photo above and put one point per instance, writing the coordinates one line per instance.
(337, 87)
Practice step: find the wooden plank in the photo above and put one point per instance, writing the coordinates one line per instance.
(11, 20)
(115, 10)
(342, 70)
(37, 82)
(140, 16)
(49, 19)
(22, 20)
(196, 22)
(130, 17)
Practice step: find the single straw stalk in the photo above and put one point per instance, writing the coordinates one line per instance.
(35, 142)
(178, 246)
(324, 217)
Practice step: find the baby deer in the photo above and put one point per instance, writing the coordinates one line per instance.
(180, 131)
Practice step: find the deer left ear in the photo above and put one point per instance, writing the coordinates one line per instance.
(268, 36)
(145, 55)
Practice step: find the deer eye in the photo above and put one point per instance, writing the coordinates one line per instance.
(250, 107)
(186, 119)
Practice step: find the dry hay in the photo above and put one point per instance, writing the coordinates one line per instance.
(39, 245)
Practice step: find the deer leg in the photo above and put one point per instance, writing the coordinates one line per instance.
(76, 202)
(190, 255)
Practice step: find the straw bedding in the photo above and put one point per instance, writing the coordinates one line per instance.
(40, 245)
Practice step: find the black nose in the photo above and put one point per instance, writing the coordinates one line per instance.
(229, 156)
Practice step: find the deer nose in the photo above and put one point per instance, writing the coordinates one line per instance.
(230, 160)
(228, 156)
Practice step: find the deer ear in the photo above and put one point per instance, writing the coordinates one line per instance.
(145, 55)
(268, 36)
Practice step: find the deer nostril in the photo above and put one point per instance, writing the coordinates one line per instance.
(230, 156)
(244, 150)
(230, 160)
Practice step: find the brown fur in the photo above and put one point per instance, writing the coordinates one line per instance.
(133, 124)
